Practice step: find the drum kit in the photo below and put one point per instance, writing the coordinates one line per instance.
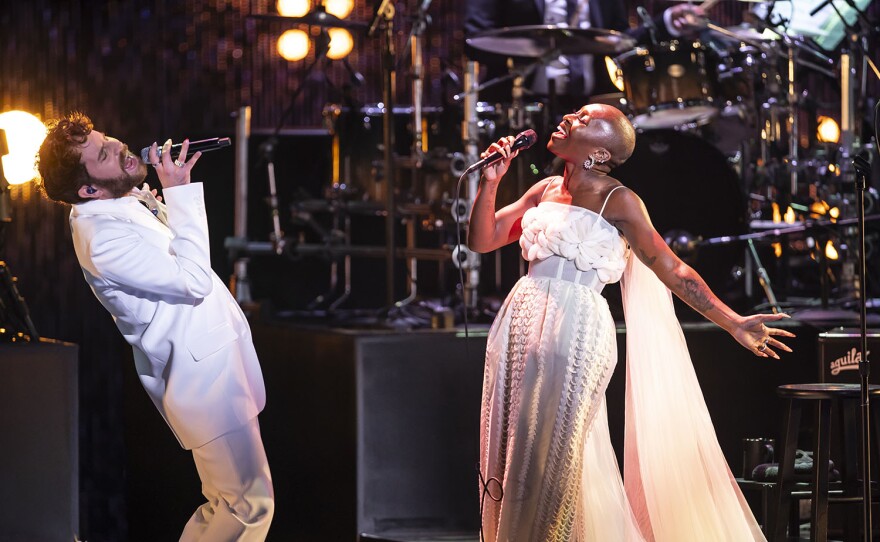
(728, 102)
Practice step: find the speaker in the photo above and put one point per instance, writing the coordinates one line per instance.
(39, 416)
(371, 432)
(840, 354)
(418, 433)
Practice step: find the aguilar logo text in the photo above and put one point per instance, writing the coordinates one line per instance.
(849, 362)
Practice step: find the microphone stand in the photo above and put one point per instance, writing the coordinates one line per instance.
(322, 47)
(415, 42)
(385, 17)
(863, 169)
(267, 148)
(859, 42)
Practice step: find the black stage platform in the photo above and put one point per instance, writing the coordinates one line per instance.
(375, 433)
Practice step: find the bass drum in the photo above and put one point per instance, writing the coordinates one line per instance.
(689, 188)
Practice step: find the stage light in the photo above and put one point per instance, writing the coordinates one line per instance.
(292, 8)
(819, 208)
(340, 8)
(293, 45)
(830, 251)
(834, 212)
(777, 216)
(24, 135)
(341, 43)
(777, 249)
(614, 73)
(789, 216)
(828, 131)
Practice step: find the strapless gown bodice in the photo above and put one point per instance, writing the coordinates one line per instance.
(572, 243)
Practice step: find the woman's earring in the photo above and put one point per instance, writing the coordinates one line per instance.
(91, 190)
(589, 163)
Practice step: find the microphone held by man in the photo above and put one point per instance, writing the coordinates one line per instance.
(203, 145)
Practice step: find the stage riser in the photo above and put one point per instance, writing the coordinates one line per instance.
(387, 425)
(377, 431)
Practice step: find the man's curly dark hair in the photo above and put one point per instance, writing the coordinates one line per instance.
(61, 172)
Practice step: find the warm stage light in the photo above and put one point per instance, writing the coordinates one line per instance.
(340, 8)
(293, 8)
(828, 131)
(341, 43)
(24, 135)
(293, 45)
(789, 216)
(819, 208)
(830, 251)
(614, 73)
(834, 212)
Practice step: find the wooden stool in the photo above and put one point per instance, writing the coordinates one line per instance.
(846, 397)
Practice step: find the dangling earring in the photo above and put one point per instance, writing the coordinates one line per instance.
(589, 163)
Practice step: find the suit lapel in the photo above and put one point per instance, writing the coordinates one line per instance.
(125, 208)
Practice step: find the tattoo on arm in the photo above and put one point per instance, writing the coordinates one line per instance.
(649, 260)
(695, 295)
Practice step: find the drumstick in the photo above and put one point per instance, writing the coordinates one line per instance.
(709, 4)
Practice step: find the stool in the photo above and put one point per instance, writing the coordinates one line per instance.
(845, 397)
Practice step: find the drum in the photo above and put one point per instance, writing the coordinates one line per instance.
(667, 86)
(688, 186)
(738, 71)
(358, 146)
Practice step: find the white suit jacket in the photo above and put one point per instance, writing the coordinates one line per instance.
(192, 344)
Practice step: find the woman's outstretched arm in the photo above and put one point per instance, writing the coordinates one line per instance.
(627, 212)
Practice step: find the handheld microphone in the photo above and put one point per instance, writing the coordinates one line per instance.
(203, 145)
(523, 141)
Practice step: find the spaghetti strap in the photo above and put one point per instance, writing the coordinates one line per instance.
(548, 187)
(602, 210)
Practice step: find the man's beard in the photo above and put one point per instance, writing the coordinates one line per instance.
(122, 185)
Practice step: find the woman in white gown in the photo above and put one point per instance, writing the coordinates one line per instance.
(552, 349)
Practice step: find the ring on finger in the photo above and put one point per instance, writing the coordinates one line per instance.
(154, 164)
(178, 163)
(762, 347)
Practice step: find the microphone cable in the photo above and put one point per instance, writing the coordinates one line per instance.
(485, 484)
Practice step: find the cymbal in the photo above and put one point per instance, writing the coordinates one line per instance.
(747, 32)
(535, 41)
(316, 17)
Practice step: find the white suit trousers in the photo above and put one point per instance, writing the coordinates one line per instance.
(238, 485)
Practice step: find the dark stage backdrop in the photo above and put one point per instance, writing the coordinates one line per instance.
(146, 70)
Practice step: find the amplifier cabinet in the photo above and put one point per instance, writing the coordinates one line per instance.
(840, 354)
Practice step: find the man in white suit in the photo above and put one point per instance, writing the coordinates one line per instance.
(149, 266)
